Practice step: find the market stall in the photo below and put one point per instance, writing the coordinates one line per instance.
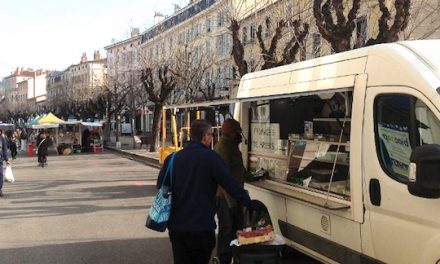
(50, 123)
(92, 136)
(7, 126)
(69, 137)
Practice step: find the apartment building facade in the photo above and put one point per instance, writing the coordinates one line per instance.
(123, 59)
(85, 78)
(202, 27)
(124, 70)
(197, 31)
(23, 88)
(56, 90)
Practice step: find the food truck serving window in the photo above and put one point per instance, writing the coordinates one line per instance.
(303, 141)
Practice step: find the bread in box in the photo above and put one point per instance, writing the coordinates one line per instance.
(264, 234)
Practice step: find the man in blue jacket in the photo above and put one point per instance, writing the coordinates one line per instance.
(197, 172)
(3, 157)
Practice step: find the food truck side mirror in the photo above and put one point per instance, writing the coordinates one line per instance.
(424, 171)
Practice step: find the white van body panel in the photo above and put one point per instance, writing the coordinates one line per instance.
(332, 72)
(404, 227)
(412, 222)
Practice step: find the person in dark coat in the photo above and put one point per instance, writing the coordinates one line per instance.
(197, 172)
(13, 145)
(85, 139)
(42, 149)
(229, 213)
(3, 157)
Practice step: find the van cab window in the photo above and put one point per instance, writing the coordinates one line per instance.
(402, 122)
(303, 141)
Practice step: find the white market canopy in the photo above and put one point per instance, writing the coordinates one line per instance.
(45, 125)
(6, 125)
(92, 124)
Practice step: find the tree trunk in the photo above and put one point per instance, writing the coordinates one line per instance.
(108, 127)
(133, 129)
(118, 120)
(157, 117)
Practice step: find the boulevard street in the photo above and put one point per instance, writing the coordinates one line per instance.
(80, 209)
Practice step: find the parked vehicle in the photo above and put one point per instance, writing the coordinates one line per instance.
(349, 145)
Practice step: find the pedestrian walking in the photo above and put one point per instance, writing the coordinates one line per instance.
(24, 139)
(197, 171)
(13, 145)
(3, 158)
(42, 149)
(229, 213)
(31, 137)
(18, 136)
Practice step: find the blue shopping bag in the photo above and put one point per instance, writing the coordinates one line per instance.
(159, 212)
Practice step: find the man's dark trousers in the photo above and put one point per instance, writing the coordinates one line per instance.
(230, 220)
(1, 174)
(192, 247)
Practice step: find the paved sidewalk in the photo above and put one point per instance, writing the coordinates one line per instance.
(142, 155)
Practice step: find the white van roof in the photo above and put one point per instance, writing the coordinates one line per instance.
(428, 51)
(334, 71)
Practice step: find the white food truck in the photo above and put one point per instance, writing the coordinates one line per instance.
(349, 148)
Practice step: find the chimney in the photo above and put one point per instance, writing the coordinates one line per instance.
(176, 8)
(84, 58)
(158, 17)
(134, 32)
(96, 55)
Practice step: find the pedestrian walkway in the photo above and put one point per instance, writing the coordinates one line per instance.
(127, 149)
(85, 208)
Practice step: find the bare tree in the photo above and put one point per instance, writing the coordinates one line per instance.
(189, 67)
(390, 33)
(338, 33)
(424, 21)
(113, 95)
(209, 91)
(159, 84)
(237, 48)
(281, 34)
(136, 99)
(291, 48)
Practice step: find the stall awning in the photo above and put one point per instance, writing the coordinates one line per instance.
(45, 125)
(34, 121)
(50, 118)
(92, 124)
(6, 125)
(203, 104)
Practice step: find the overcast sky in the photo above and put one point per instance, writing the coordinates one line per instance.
(52, 34)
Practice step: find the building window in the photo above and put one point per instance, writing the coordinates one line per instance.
(197, 30)
(252, 65)
(188, 35)
(253, 32)
(170, 44)
(208, 46)
(220, 45)
(208, 25)
(244, 38)
(316, 45)
(268, 27)
(361, 31)
(219, 19)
